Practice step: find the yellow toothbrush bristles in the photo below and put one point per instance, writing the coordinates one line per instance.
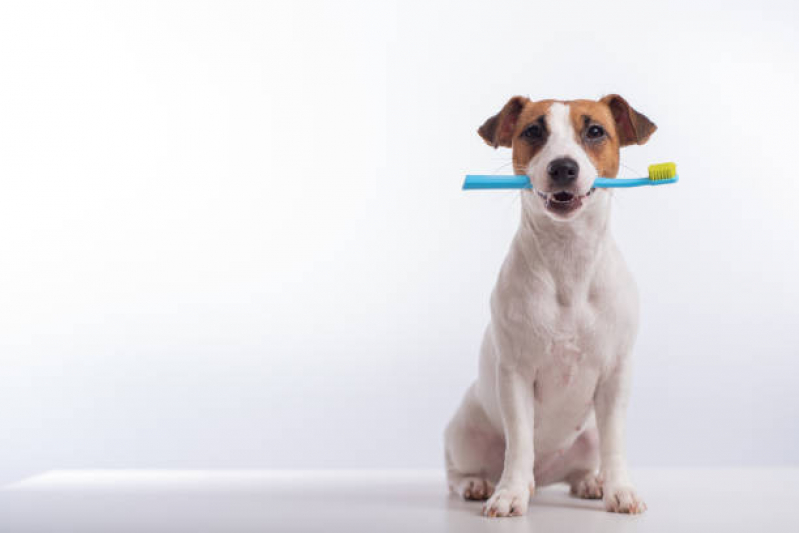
(662, 171)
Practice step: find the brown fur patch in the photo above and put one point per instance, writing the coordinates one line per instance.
(604, 154)
(524, 151)
(499, 129)
(632, 127)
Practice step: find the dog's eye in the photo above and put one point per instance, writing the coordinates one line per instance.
(595, 132)
(533, 131)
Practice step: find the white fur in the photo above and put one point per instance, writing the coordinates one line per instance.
(549, 402)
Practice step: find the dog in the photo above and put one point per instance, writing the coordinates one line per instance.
(553, 384)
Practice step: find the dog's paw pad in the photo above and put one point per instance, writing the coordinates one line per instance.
(588, 488)
(508, 501)
(624, 500)
(475, 488)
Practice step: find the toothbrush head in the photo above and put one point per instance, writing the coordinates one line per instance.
(662, 171)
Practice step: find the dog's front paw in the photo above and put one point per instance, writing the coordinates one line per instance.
(623, 500)
(588, 488)
(508, 500)
(475, 488)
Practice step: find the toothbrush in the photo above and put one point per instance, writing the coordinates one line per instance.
(659, 174)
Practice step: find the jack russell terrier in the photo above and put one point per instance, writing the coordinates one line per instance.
(549, 402)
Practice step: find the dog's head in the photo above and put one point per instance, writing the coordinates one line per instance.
(563, 145)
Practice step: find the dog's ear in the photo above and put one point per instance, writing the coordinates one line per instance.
(633, 127)
(498, 130)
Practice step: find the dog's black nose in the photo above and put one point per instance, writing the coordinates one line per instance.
(563, 170)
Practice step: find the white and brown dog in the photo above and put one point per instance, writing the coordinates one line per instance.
(549, 403)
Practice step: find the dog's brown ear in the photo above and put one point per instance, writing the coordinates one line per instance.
(633, 127)
(498, 130)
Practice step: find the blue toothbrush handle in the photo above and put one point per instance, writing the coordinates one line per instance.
(496, 182)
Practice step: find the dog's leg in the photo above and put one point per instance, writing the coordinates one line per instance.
(611, 404)
(515, 394)
(473, 451)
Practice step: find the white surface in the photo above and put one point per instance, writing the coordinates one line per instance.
(236, 501)
(231, 233)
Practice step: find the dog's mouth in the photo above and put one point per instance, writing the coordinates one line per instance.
(563, 203)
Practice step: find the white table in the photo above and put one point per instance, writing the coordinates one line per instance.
(112, 501)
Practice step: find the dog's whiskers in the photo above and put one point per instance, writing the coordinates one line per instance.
(501, 167)
(514, 195)
(631, 169)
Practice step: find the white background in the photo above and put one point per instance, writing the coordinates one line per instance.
(232, 235)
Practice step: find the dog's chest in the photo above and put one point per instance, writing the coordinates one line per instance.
(570, 367)
(573, 352)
